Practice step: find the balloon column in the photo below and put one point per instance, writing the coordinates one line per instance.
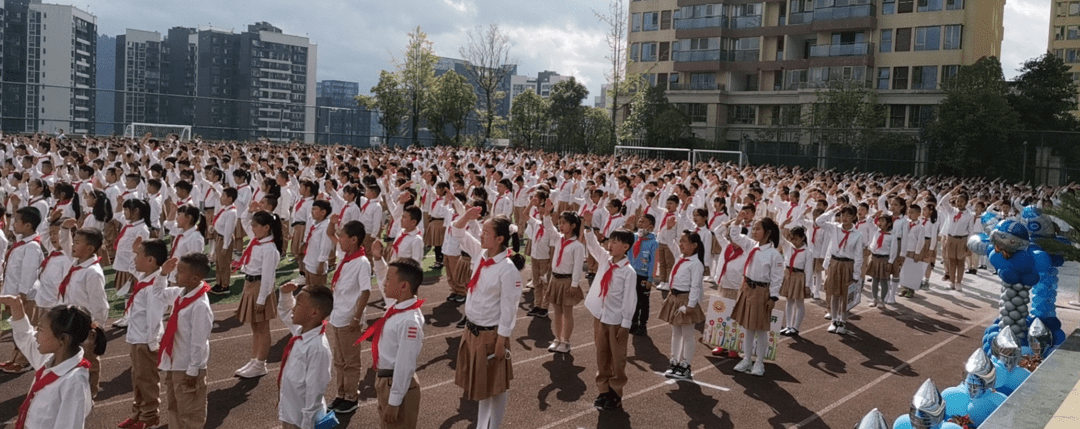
(927, 410)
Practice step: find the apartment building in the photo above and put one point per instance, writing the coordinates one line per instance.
(541, 84)
(756, 63)
(1064, 40)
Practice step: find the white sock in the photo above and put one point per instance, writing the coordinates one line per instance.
(688, 344)
(749, 345)
(483, 415)
(676, 343)
(762, 344)
(498, 409)
(800, 311)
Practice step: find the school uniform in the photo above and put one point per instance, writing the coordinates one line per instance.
(845, 251)
(542, 240)
(371, 215)
(53, 269)
(399, 340)
(185, 349)
(305, 371)
(799, 263)
(351, 280)
(457, 262)
(301, 215)
(883, 251)
(224, 223)
(259, 266)
(733, 259)
(916, 248)
(317, 248)
(763, 276)
(961, 225)
(184, 242)
(60, 396)
(84, 285)
(685, 282)
(664, 257)
(490, 309)
(612, 300)
(144, 311)
(566, 269)
(435, 225)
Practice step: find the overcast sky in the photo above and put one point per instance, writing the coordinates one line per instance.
(357, 38)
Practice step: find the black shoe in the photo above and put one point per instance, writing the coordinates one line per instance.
(613, 402)
(533, 312)
(601, 401)
(219, 290)
(333, 405)
(461, 323)
(639, 331)
(972, 271)
(453, 297)
(346, 407)
(460, 298)
(982, 267)
(543, 313)
(437, 266)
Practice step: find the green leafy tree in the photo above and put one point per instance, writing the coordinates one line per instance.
(449, 103)
(388, 98)
(417, 73)
(973, 124)
(1069, 212)
(616, 19)
(653, 118)
(846, 114)
(566, 112)
(528, 118)
(1044, 95)
(487, 57)
(597, 131)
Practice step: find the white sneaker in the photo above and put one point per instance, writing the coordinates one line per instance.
(840, 330)
(874, 304)
(832, 328)
(744, 366)
(759, 369)
(121, 322)
(828, 316)
(554, 346)
(662, 286)
(563, 348)
(257, 369)
(245, 367)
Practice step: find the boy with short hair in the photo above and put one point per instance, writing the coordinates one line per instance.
(84, 285)
(612, 300)
(305, 364)
(224, 224)
(352, 289)
(144, 312)
(21, 264)
(408, 243)
(317, 244)
(183, 353)
(643, 260)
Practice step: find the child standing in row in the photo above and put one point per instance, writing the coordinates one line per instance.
(563, 291)
(612, 300)
(257, 304)
(681, 308)
(184, 352)
(795, 289)
(763, 276)
(305, 363)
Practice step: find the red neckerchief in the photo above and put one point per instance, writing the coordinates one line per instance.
(41, 379)
(174, 321)
(375, 331)
(288, 350)
(749, 259)
(67, 278)
(359, 253)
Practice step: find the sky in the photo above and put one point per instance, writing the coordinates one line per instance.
(358, 38)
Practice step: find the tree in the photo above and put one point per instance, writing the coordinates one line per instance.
(449, 103)
(973, 124)
(596, 131)
(655, 119)
(616, 20)
(1045, 94)
(566, 112)
(389, 99)
(847, 114)
(487, 57)
(528, 118)
(417, 73)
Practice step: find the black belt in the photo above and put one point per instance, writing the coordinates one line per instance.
(755, 284)
(962, 237)
(384, 373)
(562, 276)
(299, 223)
(677, 292)
(796, 270)
(475, 329)
(465, 255)
(879, 256)
(839, 259)
(251, 279)
(436, 219)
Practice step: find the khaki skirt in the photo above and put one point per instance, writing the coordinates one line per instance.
(880, 268)
(753, 308)
(729, 293)
(561, 292)
(459, 275)
(481, 377)
(434, 233)
(248, 311)
(794, 286)
(669, 311)
(839, 277)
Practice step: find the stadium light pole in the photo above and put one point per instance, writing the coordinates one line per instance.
(1023, 177)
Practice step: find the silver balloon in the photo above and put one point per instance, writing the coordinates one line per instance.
(927, 407)
(1011, 293)
(873, 420)
(977, 246)
(980, 374)
(1006, 348)
(1039, 337)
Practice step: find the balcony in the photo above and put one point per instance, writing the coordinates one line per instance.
(842, 50)
(733, 56)
(750, 21)
(699, 23)
(843, 12)
(800, 18)
(696, 86)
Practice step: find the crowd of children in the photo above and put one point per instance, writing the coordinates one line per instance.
(360, 222)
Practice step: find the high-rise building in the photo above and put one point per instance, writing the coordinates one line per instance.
(106, 85)
(1064, 40)
(747, 63)
(144, 60)
(340, 119)
(49, 68)
(541, 84)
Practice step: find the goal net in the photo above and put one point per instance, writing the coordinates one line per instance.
(136, 130)
(721, 156)
(667, 153)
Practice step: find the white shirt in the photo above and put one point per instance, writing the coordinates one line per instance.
(733, 276)
(572, 251)
(87, 288)
(187, 241)
(961, 221)
(144, 315)
(22, 266)
(264, 261)
(617, 308)
(225, 224)
(318, 246)
(408, 245)
(541, 248)
(767, 264)
(889, 246)
(354, 279)
(64, 403)
(852, 248)
(613, 223)
(45, 291)
(371, 215)
(494, 300)
(302, 210)
(399, 346)
(306, 374)
(191, 343)
(125, 255)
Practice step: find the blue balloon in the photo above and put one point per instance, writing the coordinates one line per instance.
(902, 422)
(1059, 335)
(950, 425)
(1042, 261)
(998, 260)
(1008, 275)
(956, 400)
(1057, 260)
(985, 405)
(1029, 279)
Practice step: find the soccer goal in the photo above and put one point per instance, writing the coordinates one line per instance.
(669, 153)
(136, 130)
(722, 156)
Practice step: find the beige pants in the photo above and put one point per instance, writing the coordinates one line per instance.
(222, 262)
(186, 399)
(409, 409)
(95, 363)
(610, 356)
(145, 384)
(348, 369)
(665, 261)
(297, 239)
(541, 269)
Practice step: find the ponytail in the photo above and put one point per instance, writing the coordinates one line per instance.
(266, 218)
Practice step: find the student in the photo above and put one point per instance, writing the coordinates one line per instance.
(540, 252)
(301, 214)
(457, 265)
(67, 207)
(435, 228)
(187, 226)
(371, 215)
(612, 300)
(185, 345)
(564, 291)
(317, 244)
(643, 259)
(484, 369)
(224, 224)
(408, 244)
(84, 285)
(144, 312)
(21, 262)
(916, 248)
(352, 289)
(135, 218)
(883, 249)
(305, 364)
(681, 308)
(844, 248)
(259, 266)
(763, 276)
(962, 224)
(794, 289)
(60, 396)
(100, 217)
(664, 236)
(397, 339)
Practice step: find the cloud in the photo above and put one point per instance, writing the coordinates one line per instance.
(1026, 28)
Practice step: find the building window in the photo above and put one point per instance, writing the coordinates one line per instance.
(886, 40)
(740, 114)
(883, 78)
(953, 36)
(924, 77)
(954, 4)
(1059, 32)
(1074, 8)
(635, 50)
(905, 6)
(921, 115)
(897, 114)
(665, 20)
(928, 38)
(888, 7)
(948, 72)
(903, 39)
(665, 51)
(637, 23)
(929, 5)
(650, 21)
(648, 52)
(698, 112)
(1072, 32)
(899, 78)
